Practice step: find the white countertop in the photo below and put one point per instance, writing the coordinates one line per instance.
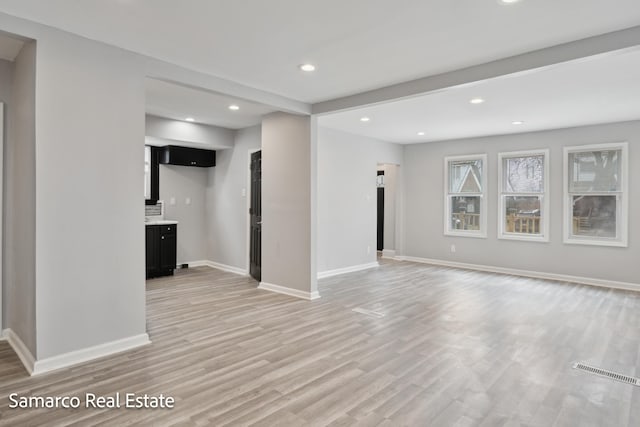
(159, 222)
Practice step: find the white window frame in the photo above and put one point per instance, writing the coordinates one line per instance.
(448, 231)
(544, 206)
(147, 173)
(622, 210)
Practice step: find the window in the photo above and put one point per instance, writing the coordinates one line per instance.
(151, 174)
(596, 194)
(147, 172)
(523, 205)
(465, 204)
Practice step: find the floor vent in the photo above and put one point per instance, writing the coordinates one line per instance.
(608, 374)
(371, 313)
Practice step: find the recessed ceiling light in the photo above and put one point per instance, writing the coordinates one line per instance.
(308, 67)
(476, 101)
(508, 1)
(420, 133)
(234, 107)
(517, 122)
(190, 119)
(364, 119)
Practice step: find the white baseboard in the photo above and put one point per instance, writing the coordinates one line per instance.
(526, 273)
(86, 354)
(351, 269)
(218, 266)
(20, 349)
(289, 291)
(389, 253)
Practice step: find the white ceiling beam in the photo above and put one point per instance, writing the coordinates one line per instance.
(547, 57)
(172, 73)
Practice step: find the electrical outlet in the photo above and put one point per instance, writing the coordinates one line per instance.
(453, 248)
(244, 192)
(172, 201)
(368, 250)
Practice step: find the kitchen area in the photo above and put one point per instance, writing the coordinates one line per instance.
(160, 232)
(196, 178)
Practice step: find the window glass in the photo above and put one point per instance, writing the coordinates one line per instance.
(465, 213)
(522, 214)
(594, 171)
(147, 172)
(524, 174)
(594, 216)
(465, 176)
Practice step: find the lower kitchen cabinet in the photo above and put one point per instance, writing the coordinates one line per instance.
(160, 249)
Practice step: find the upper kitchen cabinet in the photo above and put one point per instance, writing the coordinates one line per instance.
(185, 156)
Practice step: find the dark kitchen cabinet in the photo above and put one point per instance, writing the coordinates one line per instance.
(161, 249)
(185, 156)
(152, 250)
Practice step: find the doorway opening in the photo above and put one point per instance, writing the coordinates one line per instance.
(380, 211)
(255, 216)
(388, 199)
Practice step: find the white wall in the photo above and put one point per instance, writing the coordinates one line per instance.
(347, 166)
(288, 151)
(89, 220)
(162, 131)
(20, 201)
(226, 208)
(6, 82)
(182, 183)
(424, 176)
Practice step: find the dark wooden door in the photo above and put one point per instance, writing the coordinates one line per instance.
(380, 241)
(255, 212)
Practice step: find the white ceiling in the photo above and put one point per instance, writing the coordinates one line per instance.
(179, 102)
(600, 89)
(9, 47)
(356, 44)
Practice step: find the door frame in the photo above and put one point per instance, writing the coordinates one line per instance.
(248, 196)
(398, 207)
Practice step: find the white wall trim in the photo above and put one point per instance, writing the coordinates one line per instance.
(351, 269)
(289, 291)
(389, 253)
(526, 273)
(193, 264)
(20, 349)
(87, 354)
(218, 266)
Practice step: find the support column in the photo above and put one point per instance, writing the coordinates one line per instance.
(289, 151)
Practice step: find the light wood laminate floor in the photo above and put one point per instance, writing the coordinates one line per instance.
(455, 348)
